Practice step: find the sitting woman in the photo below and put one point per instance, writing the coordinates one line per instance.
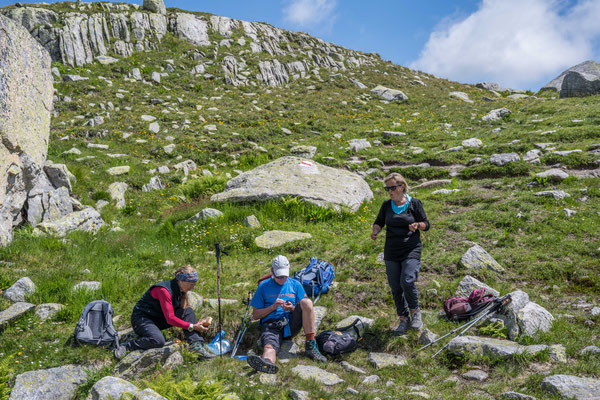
(165, 304)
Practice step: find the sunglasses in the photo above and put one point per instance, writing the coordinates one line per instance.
(390, 188)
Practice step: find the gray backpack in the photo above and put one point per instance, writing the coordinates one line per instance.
(95, 325)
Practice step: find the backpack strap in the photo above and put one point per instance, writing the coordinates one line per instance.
(108, 324)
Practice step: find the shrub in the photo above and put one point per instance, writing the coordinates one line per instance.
(516, 168)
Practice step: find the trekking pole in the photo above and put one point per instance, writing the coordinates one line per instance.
(447, 334)
(501, 303)
(243, 326)
(218, 255)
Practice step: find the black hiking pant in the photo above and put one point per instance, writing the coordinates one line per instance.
(402, 277)
(149, 331)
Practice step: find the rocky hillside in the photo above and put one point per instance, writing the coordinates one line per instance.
(171, 130)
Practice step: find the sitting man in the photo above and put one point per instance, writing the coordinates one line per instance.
(283, 308)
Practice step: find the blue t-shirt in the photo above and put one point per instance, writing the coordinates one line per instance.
(268, 291)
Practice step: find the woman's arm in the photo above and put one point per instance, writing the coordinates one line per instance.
(164, 298)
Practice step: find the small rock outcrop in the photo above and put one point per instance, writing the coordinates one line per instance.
(13, 312)
(134, 364)
(49, 384)
(389, 94)
(316, 373)
(110, 387)
(155, 6)
(477, 258)
(20, 290)
(87, 220)
(298, 177)
(495, 115)
(587, 68)
(271, 239)
(572, 387)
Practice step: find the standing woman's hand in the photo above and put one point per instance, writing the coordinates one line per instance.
(414, 226)
(376, 230)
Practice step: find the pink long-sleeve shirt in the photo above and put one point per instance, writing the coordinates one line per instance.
(164, 298)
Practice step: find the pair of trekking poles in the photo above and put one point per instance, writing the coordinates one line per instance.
(486, 312)
(245, 320)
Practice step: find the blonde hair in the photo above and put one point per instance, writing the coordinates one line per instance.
(399, 179)
(186, 269)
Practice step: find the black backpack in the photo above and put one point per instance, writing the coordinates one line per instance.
(95, 325)
(340, 341)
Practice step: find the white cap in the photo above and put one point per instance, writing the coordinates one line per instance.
(280, 266)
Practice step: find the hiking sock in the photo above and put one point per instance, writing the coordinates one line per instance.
(310, 336)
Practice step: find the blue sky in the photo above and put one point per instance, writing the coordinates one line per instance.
(518, 43)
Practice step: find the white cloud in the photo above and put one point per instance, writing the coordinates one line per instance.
(310, 13)
(518, 43)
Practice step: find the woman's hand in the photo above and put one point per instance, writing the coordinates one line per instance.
(376, 230)
(203, 324)
(414, 226)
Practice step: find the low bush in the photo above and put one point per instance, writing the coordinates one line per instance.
(516, 168)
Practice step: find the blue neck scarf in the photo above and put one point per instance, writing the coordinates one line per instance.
(403, 207)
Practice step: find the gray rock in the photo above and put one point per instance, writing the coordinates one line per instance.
(391, 134)
(192, 28)
(252, 222)
(320, 375)
(587, 67)
(532, 155)
(558, 353)
(48, 310)
(553, 174)
(106, 60)
(569, 386)
(271, 239)
(382, 360)
(515, 396)
(591, 350)
(351, 368)
(268, 379)
(320, 312)
(87, 220)
(206, 214)
(88, 285)
(154, 127)
(389, 94)
(357, 145)
(110, 388)
(445, 191)
(580, 84)
(19, 290)
(504, 158)
(148, 118)
(74, 78)
(557, 194)
(299, 395)
(595, 311)
(169, 148)
(475, 375)
(366, 322)
(499, 348)
(495, 115)
(473, 142)
(154, 184)
(568, 212)
(49, 384)
(434, 183)
(195, 300)
(304, 151)
(155, 6)
(186, 166)
(468, 283)
(121, 170)
(137, 75)
(370, 380)
(214, 303)
(488, 85)
(287, 351)
(510, 315)
(13, 312)
(476, 258)
(26, 94)
(461, 96)
(298, 177)
(136, 363)
(117, 193)
(59, 175)
(533, 319)
(427, 337)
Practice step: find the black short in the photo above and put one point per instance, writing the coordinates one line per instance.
(272, 331)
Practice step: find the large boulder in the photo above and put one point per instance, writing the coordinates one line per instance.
(25, 103)
(315, 373)
(468, 284)
(20, 290)
(155, 6)
(587, 67)
(13, 312)
(490, 347)
(111, 388)
(389, 94)
(572, 387)
(476, 258)
(579, 84)
(298, 177)
(534, 318)
(49, 384)
(136, 363)
(88, 220)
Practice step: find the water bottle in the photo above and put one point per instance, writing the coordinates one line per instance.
(214, 345)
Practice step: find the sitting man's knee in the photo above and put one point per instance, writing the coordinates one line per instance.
(306, 304)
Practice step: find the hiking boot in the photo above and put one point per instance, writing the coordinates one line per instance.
(402, 327)
(312, 351)
(120, 351)
(261, 364)
(199, 348)
(415, 320)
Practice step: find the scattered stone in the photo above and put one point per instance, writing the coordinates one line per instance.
(557, 194)
(299, 395)
(595, 311)
(461, 96)
(286, 131)
(106, 60)
(304, 151)
(13, 312)
(437, 182)
(352, 391)
(477, 258)
(117, 193)
(473, 142)
(351, 368)
(195, 300)
(495, 115)
(87, 220)
(475, 375)
(382, 360)
(110, 388)
(121, 170)
(59, 383)
(169, 148)
(391, 134)
(569, 213)
(569, 386)
(271, 239)
(532, 155)
(154, 127)
(206, 214)
(504, 158)
(252, 222)
(515, 396)
(427, 337)
(445, 191)
(88, 285)
(488, 85)
(156, 77)
(214, 303)
(389, 94)
(268, 379)
(287, 351)
(316, 373)
(558, 353)
(497, 348)
(553, 174)
(366, 322)
(357, 145)
(468, 284)
(370, 380)
(59, 175)
(136, 363)
(19, 290)
(74, 78)
(48, 310)
(154, 184)
(320, 312)
(591, 350)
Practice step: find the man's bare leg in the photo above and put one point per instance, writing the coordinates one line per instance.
(269, 353)
(308, 316)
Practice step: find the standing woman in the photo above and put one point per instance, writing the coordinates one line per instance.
(404, 217)
(163, 305)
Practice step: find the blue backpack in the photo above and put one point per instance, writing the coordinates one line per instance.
(316, 277)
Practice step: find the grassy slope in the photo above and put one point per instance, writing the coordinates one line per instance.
(553, 258)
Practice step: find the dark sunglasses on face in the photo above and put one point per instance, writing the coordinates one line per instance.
(390, 188)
